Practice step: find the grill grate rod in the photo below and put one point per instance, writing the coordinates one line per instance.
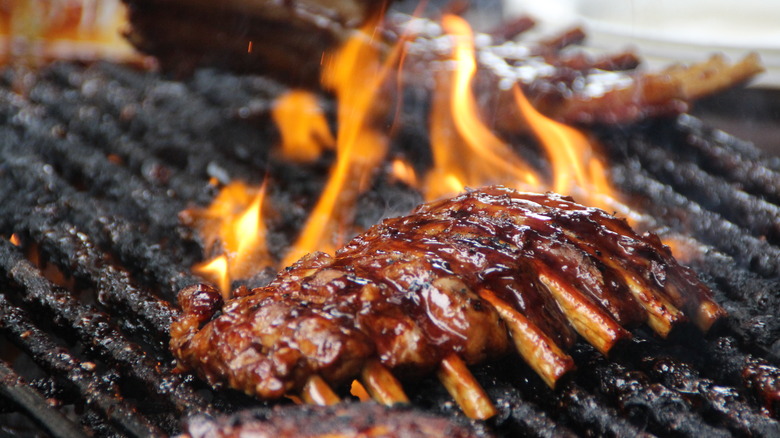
(98, 391)
(721, 154)
(664, 410)
(96, 330)
(690, 218)
(709, 139)
(711, 191)
(14, 388)
(585, 411)
(110, 230)
(73, 250)
(744, 369)
(724, 403)
(205, 132)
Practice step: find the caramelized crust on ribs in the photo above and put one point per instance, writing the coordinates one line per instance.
(463, 276)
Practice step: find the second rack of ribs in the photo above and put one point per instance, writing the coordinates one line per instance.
(472, 276)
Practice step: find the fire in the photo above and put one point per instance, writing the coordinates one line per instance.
(468, 154)
(302, 125)
(465, 151)
(356, 73)
(358, 390)
(575, 167)
(233, 226)
(217, 271)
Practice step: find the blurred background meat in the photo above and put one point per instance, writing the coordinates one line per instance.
(285, 38)
(365, 420)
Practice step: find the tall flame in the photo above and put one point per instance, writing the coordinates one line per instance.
(467, 153)
(575, 167)
(356, 74)
(465, 150)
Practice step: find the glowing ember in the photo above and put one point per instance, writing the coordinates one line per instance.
(302, 125)
(465, 151)
(358, 390)
(233, 227)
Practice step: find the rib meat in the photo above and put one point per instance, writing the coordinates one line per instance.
(470, 276)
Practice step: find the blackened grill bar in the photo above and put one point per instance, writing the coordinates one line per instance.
(96, 331)
(721, 402)
(97, 389)
(18, 391)
(99, 220)
(98, 236)
(721, 154)
(713, 193)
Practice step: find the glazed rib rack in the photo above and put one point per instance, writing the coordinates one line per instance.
(97, 161)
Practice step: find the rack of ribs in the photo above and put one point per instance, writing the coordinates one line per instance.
(457, 282)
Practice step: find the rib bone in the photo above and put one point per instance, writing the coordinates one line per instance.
(381, 384)
(465, 389)
(317, 392)
(539, 351)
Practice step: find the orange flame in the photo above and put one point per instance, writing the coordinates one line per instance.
(234, 224)
(402, 171)
(465, 150)
(575, 167)
(358, 390)
(465, 153)
(216, 270)
(356, 74)
(302, 125)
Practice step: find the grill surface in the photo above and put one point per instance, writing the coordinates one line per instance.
(96, 162)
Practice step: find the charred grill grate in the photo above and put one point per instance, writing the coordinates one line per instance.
(96, 162)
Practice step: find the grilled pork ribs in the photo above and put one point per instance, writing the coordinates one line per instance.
(473, 276)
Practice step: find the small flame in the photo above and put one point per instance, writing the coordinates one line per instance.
(216, 271)
(302, 125)
(684, 248)
(465, 150)
(356, 73)
(404, 172)
(233, 224)
(15, 240)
